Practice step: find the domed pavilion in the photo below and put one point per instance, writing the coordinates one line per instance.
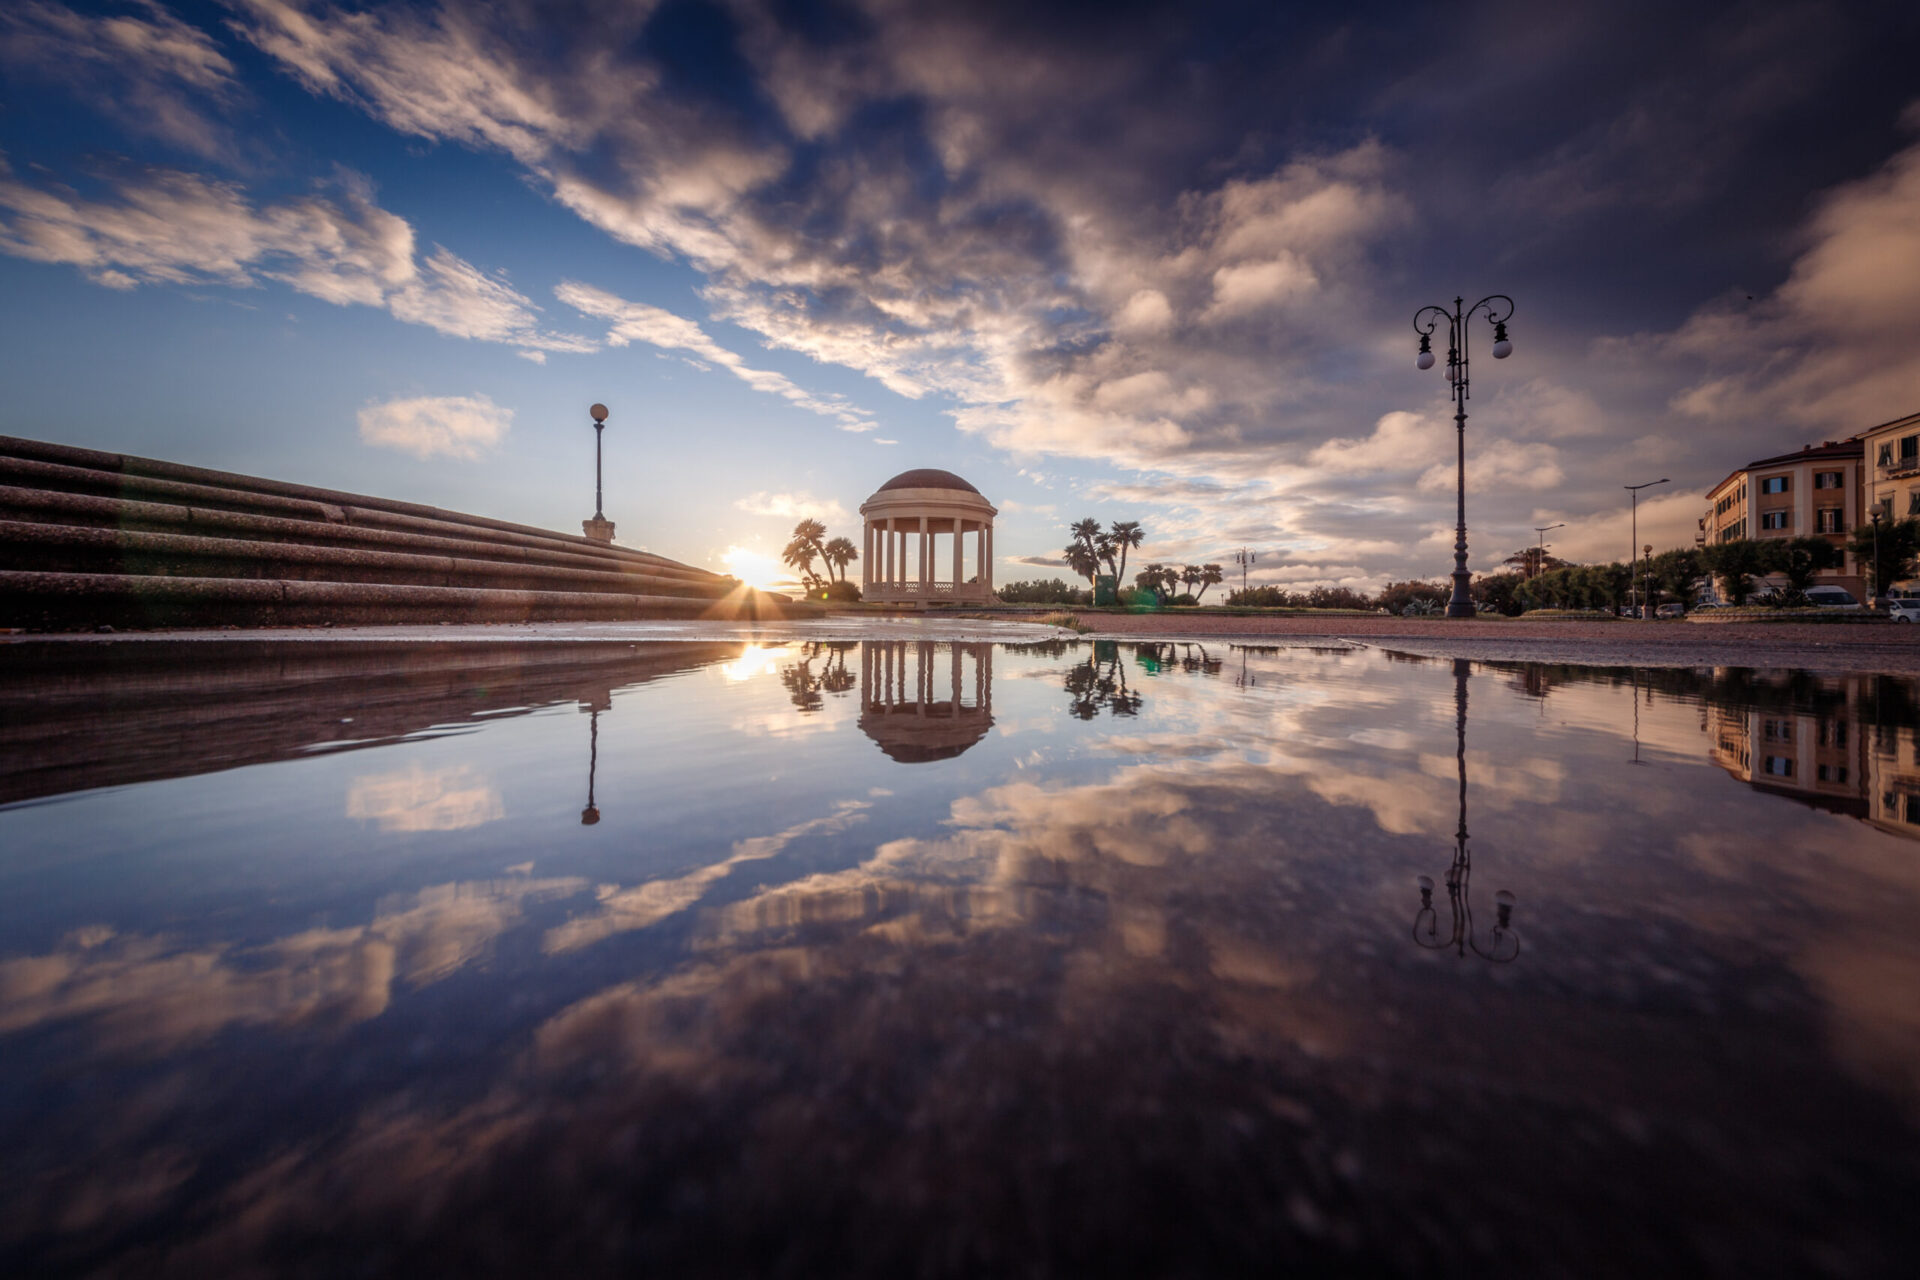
(920, 528)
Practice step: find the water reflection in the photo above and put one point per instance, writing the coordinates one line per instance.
(1122, 993)
(1502, 944)
(901, 704)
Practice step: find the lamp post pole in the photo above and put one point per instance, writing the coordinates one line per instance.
(1499, 309)
(1633, 551)
(1243, 558)
(1540, 563)
(600, 529)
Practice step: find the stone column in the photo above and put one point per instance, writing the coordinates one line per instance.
(986, 561)
(889, 538)
(926, 560)
(954, 652)
(959, 554)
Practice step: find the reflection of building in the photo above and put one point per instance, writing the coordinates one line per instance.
(1818, 756)
(1892, 788)
(919, 708)
(906, 518)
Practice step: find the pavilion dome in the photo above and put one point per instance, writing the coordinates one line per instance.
(926, 478)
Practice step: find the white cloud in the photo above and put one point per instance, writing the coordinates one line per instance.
(155, 75)
(793, 506)
(641, 322)
(417, 799)
(171, 227)
(436, 426)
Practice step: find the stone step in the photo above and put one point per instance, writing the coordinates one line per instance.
(62, 601)
(138, 473)
(81, 510)
(25, 473)
(48, 548)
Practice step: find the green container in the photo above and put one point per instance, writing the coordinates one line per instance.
(1106, 589)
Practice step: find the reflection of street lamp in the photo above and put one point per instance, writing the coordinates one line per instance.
(1502, 943)
(1541, 529)
(1633, 550)
(1499, 310)
(591, 814)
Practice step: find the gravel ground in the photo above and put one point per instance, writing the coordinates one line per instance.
(1888, 648)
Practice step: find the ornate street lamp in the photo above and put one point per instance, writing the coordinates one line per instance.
(1501, 944)
(1244, 558)
(1499, 309)
(600, 529)
(1634, 549)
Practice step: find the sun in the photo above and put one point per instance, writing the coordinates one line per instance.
(754, 568)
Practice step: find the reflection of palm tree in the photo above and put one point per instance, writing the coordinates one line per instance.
(1101, 682)
(805, 687)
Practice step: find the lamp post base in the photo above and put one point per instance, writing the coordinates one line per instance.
(600, 529)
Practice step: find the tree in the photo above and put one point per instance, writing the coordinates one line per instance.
(839, 554)
(1498, 592)
(1675, 572)
(1124, 534)
(1395, 597)
(1160, 579)
(804, 548)
(1083, 552)
(1736, 563)
(1799, 559)
(1534, 561)
(1889, 557)
(1190, 576)
(1211, 575)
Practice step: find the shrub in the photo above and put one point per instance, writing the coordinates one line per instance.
(1185, 597)
(1047, 591)
(842, 592)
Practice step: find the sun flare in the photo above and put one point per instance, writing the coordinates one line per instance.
(754, 568)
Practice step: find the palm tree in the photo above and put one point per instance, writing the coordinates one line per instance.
(1126, 533)
(1083, 553)
(1210, 575)
(1190, 576)
(839, 554)
(799, 556)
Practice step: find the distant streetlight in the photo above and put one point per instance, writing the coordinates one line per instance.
(1244, 558)
(1499, 309)
(1633, 550)
(600, 529)
(1542, 530)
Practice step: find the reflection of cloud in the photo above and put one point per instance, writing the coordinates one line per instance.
(148, 992)
(625, 910)
(417, 799)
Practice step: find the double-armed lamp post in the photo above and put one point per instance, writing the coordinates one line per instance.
(1540, 562)
(1499, 309)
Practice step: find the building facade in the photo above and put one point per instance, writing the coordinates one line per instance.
(1820, 490)
(1893, 468)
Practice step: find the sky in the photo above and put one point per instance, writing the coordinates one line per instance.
(1131, 261)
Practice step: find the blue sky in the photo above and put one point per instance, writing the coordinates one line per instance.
(1136, 262)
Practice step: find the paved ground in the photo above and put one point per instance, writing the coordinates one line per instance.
(1892, 649)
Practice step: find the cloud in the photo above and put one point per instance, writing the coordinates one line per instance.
(426, 427)
(793, 506)
(153, 74)
(640, 322)
(166, 226)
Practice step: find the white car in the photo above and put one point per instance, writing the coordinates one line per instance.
(1903, 610)
(1832, 598)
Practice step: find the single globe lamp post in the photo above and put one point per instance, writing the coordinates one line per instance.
(600, 529)
(1499, 309)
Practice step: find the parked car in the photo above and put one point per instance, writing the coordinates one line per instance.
(1832, 598)
(1675, 610)
(1903, 609)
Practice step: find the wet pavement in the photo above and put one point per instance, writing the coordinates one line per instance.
(881, 956)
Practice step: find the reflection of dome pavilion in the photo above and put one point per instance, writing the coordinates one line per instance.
(905, 519)
(900, 704)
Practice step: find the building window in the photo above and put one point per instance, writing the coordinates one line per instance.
(1776, 519)
(1779, 766)
(1832, 773)
(1827, 520)
(1909, 450)
(1913, 502)
(1774, 484)
(1913, 808)
(1827, 480)
(1886, 454)
(1777, 730)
